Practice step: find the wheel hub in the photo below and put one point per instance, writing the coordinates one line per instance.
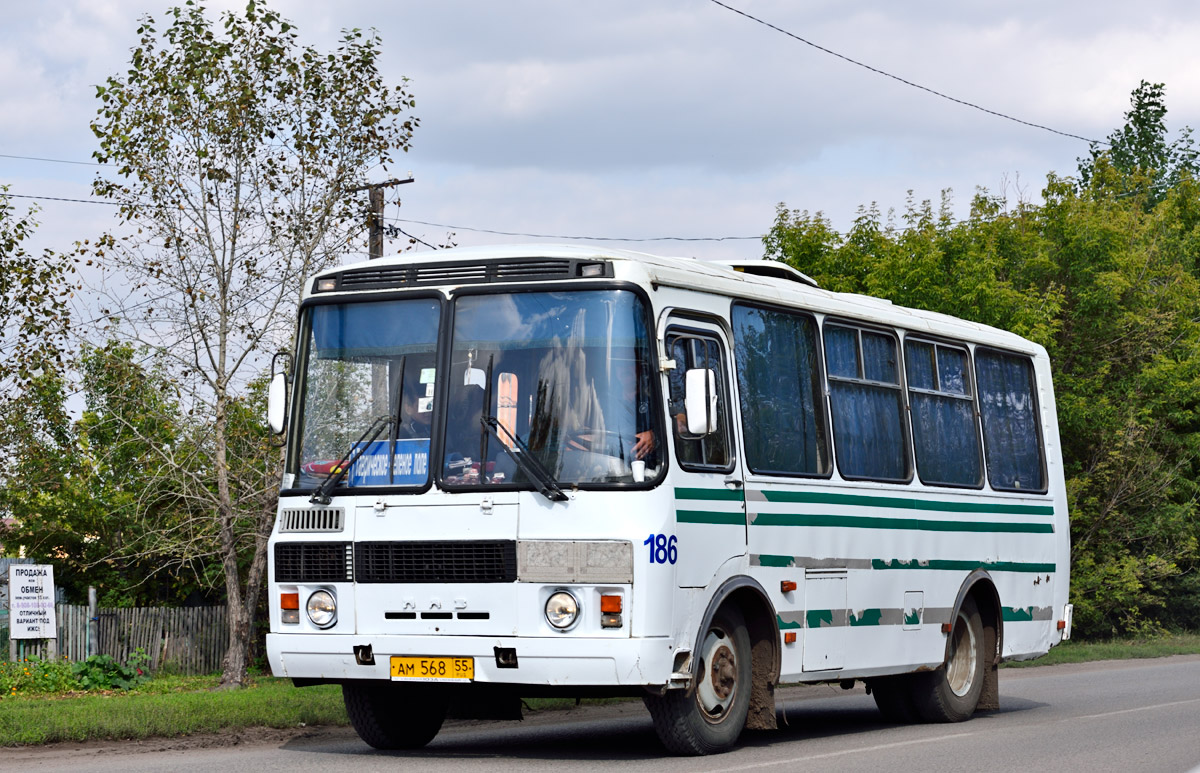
(718, 672)
(960, 666)
(724, 672)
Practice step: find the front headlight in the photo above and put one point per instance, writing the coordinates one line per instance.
(322, 609)
(561, 610)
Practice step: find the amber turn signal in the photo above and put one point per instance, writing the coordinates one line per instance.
(289, 600)
(610, 604)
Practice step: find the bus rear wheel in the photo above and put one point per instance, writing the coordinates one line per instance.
(394, 716)
(710, 717)
(951, 693)
(894, 697)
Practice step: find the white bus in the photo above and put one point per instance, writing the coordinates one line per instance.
(556, 471)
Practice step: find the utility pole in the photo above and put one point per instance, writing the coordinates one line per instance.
(375, 215)
(379, 370)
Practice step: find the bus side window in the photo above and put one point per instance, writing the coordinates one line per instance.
(942, 406)
(784, 427)
(692, 351)
(869, 433)
(1012, 441)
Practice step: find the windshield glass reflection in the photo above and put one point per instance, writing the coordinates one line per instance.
(366, 362)
(566, 374)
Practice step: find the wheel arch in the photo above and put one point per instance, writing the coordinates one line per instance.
(980, 586)
(765, 648)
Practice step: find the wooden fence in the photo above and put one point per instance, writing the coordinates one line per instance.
(189, 640)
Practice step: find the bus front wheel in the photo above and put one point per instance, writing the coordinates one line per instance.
(394, 716)
(710, 718)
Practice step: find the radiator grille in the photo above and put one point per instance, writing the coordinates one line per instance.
(313, 562)
(545, 269)
(435, 562)
(315, 519)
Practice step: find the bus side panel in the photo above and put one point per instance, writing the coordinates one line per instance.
(897, 559)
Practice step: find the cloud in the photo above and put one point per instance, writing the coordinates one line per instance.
(647, 117)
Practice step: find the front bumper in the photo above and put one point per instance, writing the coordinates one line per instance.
(550, 662)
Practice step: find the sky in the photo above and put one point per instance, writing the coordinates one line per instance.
(642, 119)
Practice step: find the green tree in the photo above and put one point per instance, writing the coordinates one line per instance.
(34, 323)
(235, 148)
(1146, 163)
(84, 482)
(34, 293)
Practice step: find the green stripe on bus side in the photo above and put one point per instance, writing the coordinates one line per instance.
(711, 494)
(932, 564)
(910, 524)
(1026, 614)
(904, 503)
(824, 618)
(705, 516)
(966, 566)
(868, 617)
(814, 617)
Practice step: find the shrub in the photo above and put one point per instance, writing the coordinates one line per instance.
(104, 672)
(35, 676)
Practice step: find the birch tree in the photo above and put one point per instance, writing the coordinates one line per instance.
(233, 148)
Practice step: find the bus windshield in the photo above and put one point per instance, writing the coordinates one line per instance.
(545, 389)
(366, 364)
(562, 376)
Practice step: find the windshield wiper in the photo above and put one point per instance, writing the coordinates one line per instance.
(320, 496)
(547, 486)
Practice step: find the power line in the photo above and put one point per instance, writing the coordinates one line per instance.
(60, 198)
(451, 227)
(582, 238)
(414, 238)
(926, 89)
(52, 160)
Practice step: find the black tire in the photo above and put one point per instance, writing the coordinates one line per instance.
(951, 693)
(709, 718)
(894, 697)
(394, 716)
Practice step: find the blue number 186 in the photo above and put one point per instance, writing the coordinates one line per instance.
(663, 548)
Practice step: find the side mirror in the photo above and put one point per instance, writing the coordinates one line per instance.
(277, 403)
(700, 401)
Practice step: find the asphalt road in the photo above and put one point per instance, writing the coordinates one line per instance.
(1108, 716)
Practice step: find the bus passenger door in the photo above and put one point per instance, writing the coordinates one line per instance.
(710, 506)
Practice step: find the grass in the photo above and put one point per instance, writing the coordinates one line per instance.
(170, 706)
(175, 705)
(179, 705)
(1116, 649)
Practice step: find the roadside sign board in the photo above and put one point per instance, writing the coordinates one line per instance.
(31, 602)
